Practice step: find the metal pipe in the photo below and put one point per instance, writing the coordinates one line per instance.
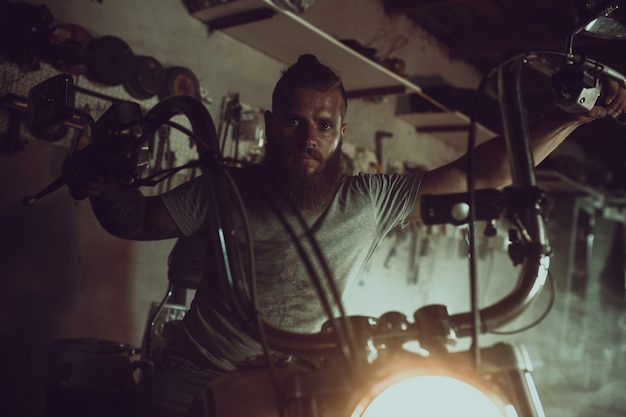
(536, 261)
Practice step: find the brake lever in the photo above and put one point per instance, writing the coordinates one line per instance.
(72, 168)
(62, 180)
(117, 139)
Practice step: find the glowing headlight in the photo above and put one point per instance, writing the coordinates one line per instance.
(431, 396)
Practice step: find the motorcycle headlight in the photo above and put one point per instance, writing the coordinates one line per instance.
(430, 396)
(402, 386)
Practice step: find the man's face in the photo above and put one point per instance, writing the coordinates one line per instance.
(304, 139)
(306, 129)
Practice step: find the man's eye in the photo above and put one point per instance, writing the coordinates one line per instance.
(326, 126)
(293, 122)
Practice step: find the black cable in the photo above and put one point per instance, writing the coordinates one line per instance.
(243, 297)
(471, 144)
(344, 333)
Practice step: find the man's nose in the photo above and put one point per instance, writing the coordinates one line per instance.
(310, 135)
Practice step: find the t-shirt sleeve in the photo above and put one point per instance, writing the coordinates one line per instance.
(187, 204)
(394, 197)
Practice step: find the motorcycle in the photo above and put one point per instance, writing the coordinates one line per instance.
(361, 366)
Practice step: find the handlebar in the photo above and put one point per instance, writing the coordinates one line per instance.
(119, 135)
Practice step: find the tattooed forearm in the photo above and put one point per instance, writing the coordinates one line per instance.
(120, 210)
(126, 213)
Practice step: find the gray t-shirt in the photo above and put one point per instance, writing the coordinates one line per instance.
(363, 210)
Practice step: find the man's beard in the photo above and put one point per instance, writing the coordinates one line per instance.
(310, 192)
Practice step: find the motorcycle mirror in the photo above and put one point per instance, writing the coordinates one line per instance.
(601, 19)
(51, 102)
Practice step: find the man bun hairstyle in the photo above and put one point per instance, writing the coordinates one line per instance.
(308, 59)
(308, 72)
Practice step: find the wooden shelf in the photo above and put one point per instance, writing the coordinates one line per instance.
(452, 127)
(285, 36)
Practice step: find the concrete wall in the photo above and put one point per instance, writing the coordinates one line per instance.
(64, 277)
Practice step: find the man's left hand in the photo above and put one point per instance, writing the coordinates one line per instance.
(612, 102)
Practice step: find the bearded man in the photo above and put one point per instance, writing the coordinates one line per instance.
(348, 215)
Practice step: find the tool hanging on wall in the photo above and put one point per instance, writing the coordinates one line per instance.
(228, 129)
(147, 78)
(170, 162)
(398, 235)
(378, 146)
(180, 81)
(413, 265)
(110, 61)
(67, 50)
(163, 137)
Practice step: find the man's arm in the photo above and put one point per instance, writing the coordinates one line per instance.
(492, 167)
(124, 211)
